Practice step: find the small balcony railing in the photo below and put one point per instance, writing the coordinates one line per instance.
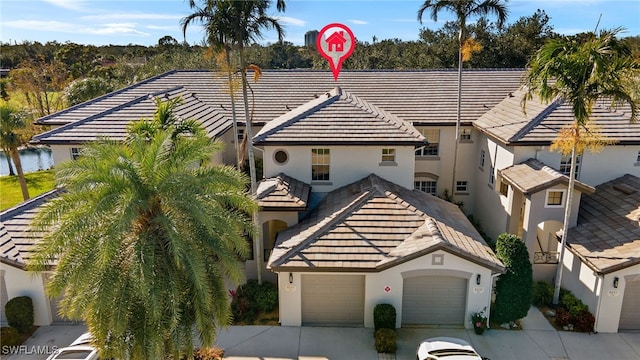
(546, 257)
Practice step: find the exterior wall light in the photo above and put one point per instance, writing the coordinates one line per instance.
(478, 279)
(615, 282)
(290, 278)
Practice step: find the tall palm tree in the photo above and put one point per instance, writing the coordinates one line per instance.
(163, 119)
(241, 22)
(144, 238)
(581, 70)
(11, 121)
(217, 28)
(463, 9)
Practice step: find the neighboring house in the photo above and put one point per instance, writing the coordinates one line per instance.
(376, 137)
(602, 264)
(16, 245)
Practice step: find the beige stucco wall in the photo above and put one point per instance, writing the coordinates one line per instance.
(478, 296)
(347, 164)
(61, 153)
(22, 283)
(597, 291)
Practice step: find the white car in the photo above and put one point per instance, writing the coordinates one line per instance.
(448, 348)
(84, 339)
(79, 352)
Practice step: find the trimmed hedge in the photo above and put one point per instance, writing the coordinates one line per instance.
(384, 316)
(19, 312)
(514, 288)
(386, 340)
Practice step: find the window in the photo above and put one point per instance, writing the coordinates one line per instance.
(433, 138)
(482, 158)
(565, 164)
(462, 186)
(76, 153)
(638, 158)
(428, 186)
(240, 133)
(465, 135)
(320, 164)
(555, 198)
(280, 157)
(388, 155)
(492, 177)
(504, 188)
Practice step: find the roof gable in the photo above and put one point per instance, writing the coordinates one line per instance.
(283, 193)
(532, 176)
(373, 224)
(338, 117)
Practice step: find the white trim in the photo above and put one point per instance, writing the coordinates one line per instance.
(546, 198)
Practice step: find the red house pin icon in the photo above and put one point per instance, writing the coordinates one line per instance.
(335, 43)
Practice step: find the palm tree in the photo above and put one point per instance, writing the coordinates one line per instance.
(163, 119)
(463, 9)
(12, 120)
(242, 22)
(580, 70)
(144, 238)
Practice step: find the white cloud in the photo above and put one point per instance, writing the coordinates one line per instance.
(131, 16)
(167, 27)
(57, 26)
(77, 5)
(359, 22)
(287, 20)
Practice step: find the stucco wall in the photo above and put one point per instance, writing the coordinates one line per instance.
(22, 283)
(347, 164)
(478, 296)
(597, 291)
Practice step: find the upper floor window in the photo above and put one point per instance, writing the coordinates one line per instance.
(482, 156)
(462, 186)
(504, 188)
(638, 158)
(240, 133)
(465, 135)
(555, 198)
(565, 164)
(320, 161)
(388, 155)
(492, 177)
(428, 186)
(76, 153)
(433, 139)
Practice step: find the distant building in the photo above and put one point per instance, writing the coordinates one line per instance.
(310, 38)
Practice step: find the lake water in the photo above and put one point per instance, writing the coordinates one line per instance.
(33, 159)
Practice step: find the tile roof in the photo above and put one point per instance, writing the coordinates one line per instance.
(16, 239)
(607, 237)
(427, 96)
(532, 176)
(112, 122)
(373, 224)
(338, 117)
(283, 193)
(540, 123)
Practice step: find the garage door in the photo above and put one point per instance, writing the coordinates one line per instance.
(630, 312)
(434, 300)
(333, 300)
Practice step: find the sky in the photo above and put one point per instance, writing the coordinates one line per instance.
(143, 22)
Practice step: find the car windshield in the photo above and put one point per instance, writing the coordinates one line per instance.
(74, 354)
(441, 353)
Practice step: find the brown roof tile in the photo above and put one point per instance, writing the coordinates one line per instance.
(607, 237)
(532, 176)
(283, 192)
(385, 222)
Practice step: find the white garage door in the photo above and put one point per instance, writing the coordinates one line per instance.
(434, 300)
(630, 312)
(331, 300)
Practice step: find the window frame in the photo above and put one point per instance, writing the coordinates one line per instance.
(390, 154)
(432, 148)
(492, 177)
(563, 198)
(317, 160)
(565, 165)
(504, 189)
(76, 153)
(483, 155)
(465, 135)
(418, 185)
(462, 186)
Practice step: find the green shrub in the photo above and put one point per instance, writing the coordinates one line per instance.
(384, 316)
(19, 312)
(542, 293)
(583, 322)
(574, 306)
(514, 288)
(386, 341)
(251, 299)
(9, 336)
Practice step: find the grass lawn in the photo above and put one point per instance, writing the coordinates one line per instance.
(37, 182)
